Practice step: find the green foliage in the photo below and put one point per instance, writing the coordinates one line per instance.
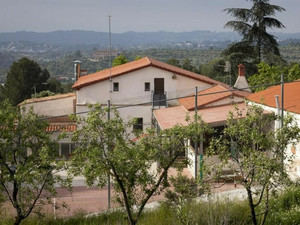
(137, 165)
(27, 160)
(255, 151)
(119, 60)
(43, 94)
(54, 86)
(252, 24)
(284, 209)
(271, 74)
(174, 62)
(23, 77)
(181, 196)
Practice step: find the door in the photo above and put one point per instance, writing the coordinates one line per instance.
(159, 86)
(159, 97)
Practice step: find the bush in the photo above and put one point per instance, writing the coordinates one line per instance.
(285, 208)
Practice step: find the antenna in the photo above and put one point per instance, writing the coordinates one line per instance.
(110, 61)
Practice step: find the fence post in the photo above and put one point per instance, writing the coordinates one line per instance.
(108, 178)
(196, 142)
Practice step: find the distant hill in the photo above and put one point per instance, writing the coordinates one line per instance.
(123, 40)
(131, 39)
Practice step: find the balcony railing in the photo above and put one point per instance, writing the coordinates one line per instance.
(159, 99)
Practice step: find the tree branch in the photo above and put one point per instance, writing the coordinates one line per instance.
(38, 196)
(156, 185)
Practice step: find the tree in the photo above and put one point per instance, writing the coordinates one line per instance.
(24, 78)
(119, 60)
(253, 23)
(187, 65)
(27, 160)
(54, 85)
(138, 166)
(256, 152)
(271, 74)
(182, 194)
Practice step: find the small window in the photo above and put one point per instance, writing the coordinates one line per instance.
(116, 86)
(138, 124)
(65, 150)
(147, 86)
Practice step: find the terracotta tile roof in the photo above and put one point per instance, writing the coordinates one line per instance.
(291, 96)
(169, 117)
(208, 97)
(135, 65)
(58, 96)
(61, 124)
(59, 119)
(61, 127)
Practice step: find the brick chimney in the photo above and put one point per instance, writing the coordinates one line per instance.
(242, 70)
(241, 81)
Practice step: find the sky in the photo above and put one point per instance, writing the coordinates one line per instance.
(130, 15)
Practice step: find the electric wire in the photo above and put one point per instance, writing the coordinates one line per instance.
(171, 99)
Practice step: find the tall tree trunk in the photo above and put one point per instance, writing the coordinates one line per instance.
(259, 49)
(266, 207)
(18, 220)
(252, 208)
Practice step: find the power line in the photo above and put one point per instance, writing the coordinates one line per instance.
(175, 98)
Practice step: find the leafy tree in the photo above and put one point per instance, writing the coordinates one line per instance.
(256, 152)
(187, 64)
(54, 85)
(182, 193)
(23, 77)
(27, 160)
(43, 94)
(241, 53)
(268, 74)
(174, 62)
(138, 166)
(137, 57)
(253, 23)
(119, 60)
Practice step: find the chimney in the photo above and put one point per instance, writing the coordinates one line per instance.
(77, 64)
(242, 70)
(241, 81)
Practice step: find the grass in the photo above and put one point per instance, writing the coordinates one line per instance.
(284, 210)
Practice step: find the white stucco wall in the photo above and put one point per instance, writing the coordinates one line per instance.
(52, 107)
(294, 167)
(127, 113)
(131, 87)
(131, 91)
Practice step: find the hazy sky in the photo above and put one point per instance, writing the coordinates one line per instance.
(129, 15)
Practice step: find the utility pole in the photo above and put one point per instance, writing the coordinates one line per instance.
(282, 99)
(108, 178)
(282, 114)
(110, 60)
(196, 142)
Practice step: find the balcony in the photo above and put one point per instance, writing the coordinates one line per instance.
(159, 99)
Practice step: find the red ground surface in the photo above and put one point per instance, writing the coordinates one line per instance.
(92, 200)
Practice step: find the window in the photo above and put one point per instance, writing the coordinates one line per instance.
(147, 86)
(116, 86)
(138, 124)
(65, 150)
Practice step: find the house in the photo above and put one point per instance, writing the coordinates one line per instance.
(56, 110)
(213, 106)
(137, 88)
(266, 99)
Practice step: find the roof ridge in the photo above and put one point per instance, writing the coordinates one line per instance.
(41, 99)
(139, 64)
